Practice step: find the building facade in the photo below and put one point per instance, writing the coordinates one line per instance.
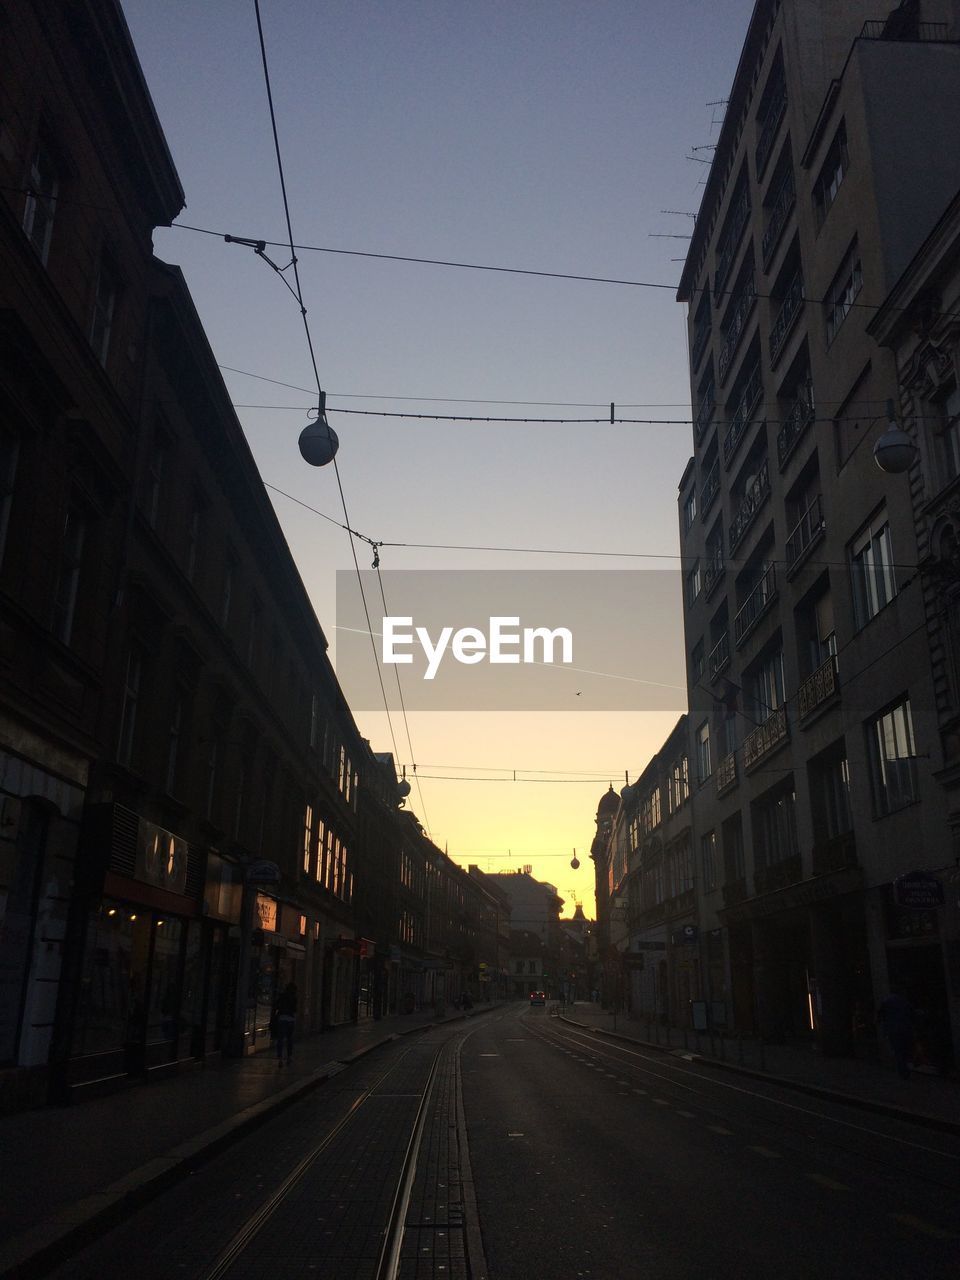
(814, 731)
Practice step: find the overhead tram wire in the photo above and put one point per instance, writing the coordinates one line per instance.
(298, 294)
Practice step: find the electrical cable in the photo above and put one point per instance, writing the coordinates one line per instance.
(298, 294)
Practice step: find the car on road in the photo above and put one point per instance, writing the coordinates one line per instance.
(538, 997)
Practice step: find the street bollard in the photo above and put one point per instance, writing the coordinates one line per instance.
(713, 1049)
(685, 1038)
(723, 1048)
(740, 1047)
(763, 1056)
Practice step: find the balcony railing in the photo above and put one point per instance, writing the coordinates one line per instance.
(727, 773)
(779, 874)
(738, 322)
(714, 571)
(819, 688)
(765, 738)
(836, 854)
(805, 533)
(701, 337)
(776, 107)
(719, 656)
(739, 216)
(779, 213)
(711, 487)
(786, 317)
(920, 32)
(741, 418)
(755, 605)
(704, 413)
(801, 414)
(753, 499)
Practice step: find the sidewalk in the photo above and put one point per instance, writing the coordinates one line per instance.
(929, 1100)
(70, 1170)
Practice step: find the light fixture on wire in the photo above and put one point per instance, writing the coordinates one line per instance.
(318, 440)
(895, 451)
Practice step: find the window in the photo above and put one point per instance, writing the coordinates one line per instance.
(697, 662)
(128, 709)
(9, 457)
(765, 685)
(314, 720)
(226, 593)
(307, 838)
(690, 509)
(253, 635)
(321, 846)
(213, 761)
(678, 784)
(733, 863)
(173, 745)
(831, 175)
(693, 583)
(41, 202)
(709, 862)
(194, 531)
(156, 481)
(68, 578)
(684, 866)
(775, 827)
(893, 759)
(830, 794)
(704, 766)
(840, 297)
(871, 570)
(104, 305)
(951, 433)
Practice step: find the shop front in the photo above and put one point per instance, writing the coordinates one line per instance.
(149, 971)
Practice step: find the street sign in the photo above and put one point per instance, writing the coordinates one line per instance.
(918, 889)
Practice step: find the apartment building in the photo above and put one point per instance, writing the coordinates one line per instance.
(814, 730)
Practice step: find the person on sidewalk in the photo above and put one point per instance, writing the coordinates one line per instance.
(286, 1016)
(896, 1017)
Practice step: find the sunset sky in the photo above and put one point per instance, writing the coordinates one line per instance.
(540, 134)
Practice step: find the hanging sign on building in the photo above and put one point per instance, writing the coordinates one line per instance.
(161, 857)
(918, 889)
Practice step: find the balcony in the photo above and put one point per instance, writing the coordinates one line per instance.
(766, 738)
(704, 413)
(790, 308)
(820, 688)
(711, 487)
(701, 337)
(755, 606)
(783, 203)
(836, 854)
(751, 503)
(738, 322)
(741, 418)
(719, 656)
(738, 218)
(714, 571)
(776, 107)
(805, 535)
(778, 875)
(727, 774)
(795, 424)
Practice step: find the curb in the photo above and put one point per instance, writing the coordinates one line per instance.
(41, 1247)
(919, 1118)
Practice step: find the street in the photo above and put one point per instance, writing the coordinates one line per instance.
(547, 1152)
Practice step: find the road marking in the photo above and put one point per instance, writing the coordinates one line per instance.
(829, 1183)
(514, 1135)
(641, 1091)
(661, 1102)
(918, 1224)
(765, 1152)
(689, 1114)
(718, 1128)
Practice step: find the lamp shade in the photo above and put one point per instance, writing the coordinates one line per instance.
(894, 451)
(318, 443)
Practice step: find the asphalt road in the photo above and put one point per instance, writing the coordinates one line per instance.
(551, 1154)
(593, 1160)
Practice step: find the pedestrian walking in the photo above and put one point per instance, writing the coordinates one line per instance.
(285, 1014)
(897, 1019)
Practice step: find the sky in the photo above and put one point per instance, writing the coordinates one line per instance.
(549, 135)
